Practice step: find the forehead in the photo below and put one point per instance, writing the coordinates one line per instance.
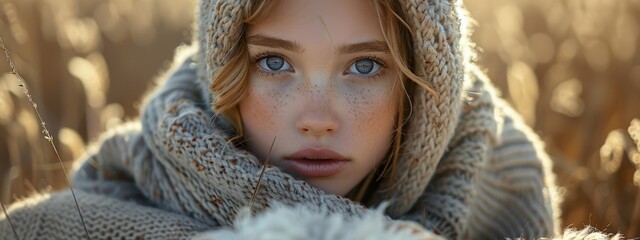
(311, 21)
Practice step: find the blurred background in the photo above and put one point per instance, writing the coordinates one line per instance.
(571, 68)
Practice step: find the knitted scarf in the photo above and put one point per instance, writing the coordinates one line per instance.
(468, 166)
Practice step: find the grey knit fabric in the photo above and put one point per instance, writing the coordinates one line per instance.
(469, 167)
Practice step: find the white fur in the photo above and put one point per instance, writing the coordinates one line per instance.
(587, 233)
(288, 223)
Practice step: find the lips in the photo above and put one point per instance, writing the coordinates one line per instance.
(316, 162)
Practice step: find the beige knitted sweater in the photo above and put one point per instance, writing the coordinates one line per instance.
(469, 166)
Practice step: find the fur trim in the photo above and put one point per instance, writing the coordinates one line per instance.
(588, 233)
(282, 222)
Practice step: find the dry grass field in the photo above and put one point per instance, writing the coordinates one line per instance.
(571, 68)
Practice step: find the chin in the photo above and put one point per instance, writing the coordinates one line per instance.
(328, 186)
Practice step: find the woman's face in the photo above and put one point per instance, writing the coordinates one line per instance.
(321, 85)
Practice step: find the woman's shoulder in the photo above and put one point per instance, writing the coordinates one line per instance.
(515, 180)
(115, 142)
(56, 216)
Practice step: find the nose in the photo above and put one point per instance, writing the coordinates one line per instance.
(318, 116)
(317, 122)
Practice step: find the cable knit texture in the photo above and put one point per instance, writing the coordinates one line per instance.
(469, 167)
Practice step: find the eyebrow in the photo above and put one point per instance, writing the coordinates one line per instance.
(371, 46)
(268, 41)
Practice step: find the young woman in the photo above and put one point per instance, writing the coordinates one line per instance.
(335, 105)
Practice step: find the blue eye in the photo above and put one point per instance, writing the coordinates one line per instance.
(274, 64)
(364, 67)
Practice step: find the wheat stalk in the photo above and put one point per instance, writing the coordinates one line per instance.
(13, 227)
(45, 131)
(264, 168)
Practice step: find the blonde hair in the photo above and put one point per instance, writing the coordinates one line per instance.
(230, 82)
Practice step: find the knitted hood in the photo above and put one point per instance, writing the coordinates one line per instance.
(441, 53)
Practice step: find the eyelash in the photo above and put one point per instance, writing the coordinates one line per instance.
(262, 55)
(377, 60)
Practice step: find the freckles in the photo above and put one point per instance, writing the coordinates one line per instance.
(314, 90)
(263, 108)
(274, 103)
(279, 100)
(355, 101)
(367, 106)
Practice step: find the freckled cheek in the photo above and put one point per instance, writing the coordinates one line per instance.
(261, 109)
(372, 109)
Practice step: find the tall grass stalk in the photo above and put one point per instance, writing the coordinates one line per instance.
(264, 167)
(6, 214)
(45, 131)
